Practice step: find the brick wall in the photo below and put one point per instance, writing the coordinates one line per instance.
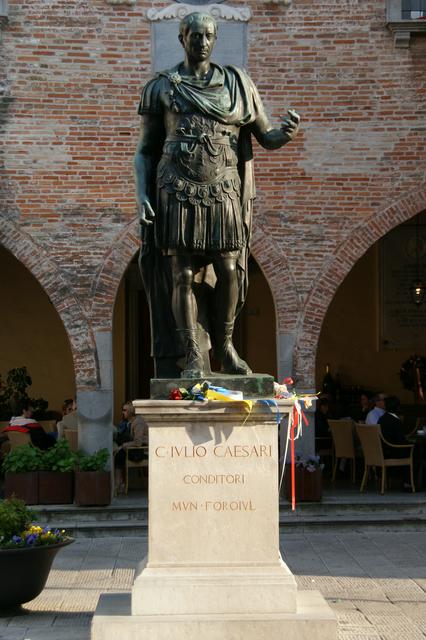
(71, 73)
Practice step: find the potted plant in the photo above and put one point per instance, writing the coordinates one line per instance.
(56, 476)
(21, 467)
(14, 390)
(92, 481)
(26, 553)
(308, 475)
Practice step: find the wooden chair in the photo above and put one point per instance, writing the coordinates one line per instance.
(130, 464)
(5, 446)
(370, 436)
(71, 436)
(16, 439)
(342, 432)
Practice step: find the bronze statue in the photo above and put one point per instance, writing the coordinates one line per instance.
(195, 188)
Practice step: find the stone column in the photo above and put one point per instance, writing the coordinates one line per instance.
(95, 407)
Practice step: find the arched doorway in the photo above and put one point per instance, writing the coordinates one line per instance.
(372, 324)
(255, 333)
(336, 266)
(32, 334)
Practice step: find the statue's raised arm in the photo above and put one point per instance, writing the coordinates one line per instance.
(272, 138)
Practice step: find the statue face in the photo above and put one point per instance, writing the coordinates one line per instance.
(199, 41)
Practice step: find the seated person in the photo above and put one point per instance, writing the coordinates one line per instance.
(122, 433)
(25, 423)
(138, 437)
(377, 411)
(366, 404)
(392, 429)
(322, 429)
(69, 417)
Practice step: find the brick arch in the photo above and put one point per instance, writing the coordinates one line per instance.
(45, 271)
(115, 263)
(275, 267)
(337, 267)
(266, 252)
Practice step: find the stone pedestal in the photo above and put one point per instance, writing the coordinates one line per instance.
(213, 568)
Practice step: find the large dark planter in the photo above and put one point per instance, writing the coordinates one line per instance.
(308, 484)
(92, 488)
(55, 487)
(25, 571)
(22, 485)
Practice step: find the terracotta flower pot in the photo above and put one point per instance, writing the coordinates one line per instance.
(92, 488)
(22, 485)
(25, 571)
(55, 487)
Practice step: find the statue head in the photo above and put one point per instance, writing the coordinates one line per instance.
(197, 34)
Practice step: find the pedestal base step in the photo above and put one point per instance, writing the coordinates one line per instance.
(313, 620)
(186, 590)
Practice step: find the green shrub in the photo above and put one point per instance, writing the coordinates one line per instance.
(58, 458)
(23, 459)
(93, 461)
(14, 390)
(14, 518)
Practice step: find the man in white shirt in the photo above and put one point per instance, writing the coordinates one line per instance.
(378, 410)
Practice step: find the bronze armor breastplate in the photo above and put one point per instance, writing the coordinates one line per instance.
(200, 158)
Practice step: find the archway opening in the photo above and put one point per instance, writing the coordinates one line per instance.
(254, 336)
(32, 335)
(372, 325)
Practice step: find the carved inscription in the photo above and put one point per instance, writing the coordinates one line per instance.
(210, 478)
(219, 451)
(214, 505)
(196, 481)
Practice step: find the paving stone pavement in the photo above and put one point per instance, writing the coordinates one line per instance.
(374, 581)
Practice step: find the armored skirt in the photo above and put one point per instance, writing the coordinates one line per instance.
(198, 197)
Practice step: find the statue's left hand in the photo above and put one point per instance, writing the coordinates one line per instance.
(290, 124)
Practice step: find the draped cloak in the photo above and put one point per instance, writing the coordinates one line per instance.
(230, 98)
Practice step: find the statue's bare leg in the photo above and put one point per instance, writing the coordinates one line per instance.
(185, 312)
(226, 298)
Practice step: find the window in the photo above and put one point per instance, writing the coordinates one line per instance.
(413, 9)
(405, 18)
